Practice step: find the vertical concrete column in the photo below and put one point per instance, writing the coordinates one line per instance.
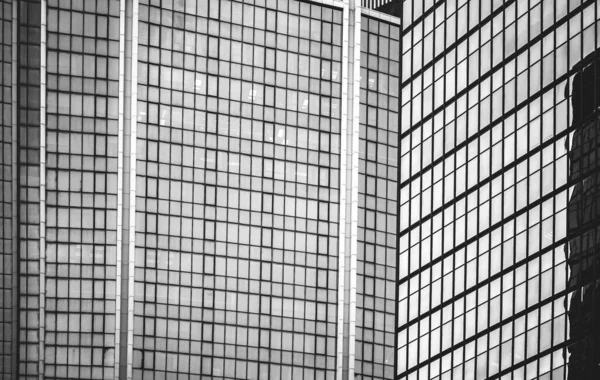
(341, 317)
(131, 127)
(349, 178)
(42, 313)
(120, 187)
(15, 192)
(353, 137)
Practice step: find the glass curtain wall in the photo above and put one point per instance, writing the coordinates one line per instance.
(238, 190)
(484, 187)
(81, 183)
(28, 145)
(378, 195)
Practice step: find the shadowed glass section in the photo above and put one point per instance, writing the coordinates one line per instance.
(584, 218)
(28, 119)
(391, 7)
(6, 193)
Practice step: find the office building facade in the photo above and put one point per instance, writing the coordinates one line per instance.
(498, 250)
(199, 189)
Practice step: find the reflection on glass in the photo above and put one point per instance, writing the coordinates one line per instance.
(583, 223)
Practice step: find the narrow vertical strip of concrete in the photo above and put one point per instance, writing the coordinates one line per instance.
(355, 138)
(42, 314)
(120, 189)
(128, 67)
(349, 179)
(15, 193)
(343, 199)
(132, 186)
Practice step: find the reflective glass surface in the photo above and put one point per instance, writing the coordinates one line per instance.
(81, 183)
(378, 195)
(484, 188)
(238, 190)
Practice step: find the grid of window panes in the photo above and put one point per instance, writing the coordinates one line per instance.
(81, 213)
(28, 119)
(6, 193)
(238, 189)
(483, 186)
(378, 194)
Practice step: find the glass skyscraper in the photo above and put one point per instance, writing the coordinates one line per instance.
(498, 192)
(198, 189)
(237, 190)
